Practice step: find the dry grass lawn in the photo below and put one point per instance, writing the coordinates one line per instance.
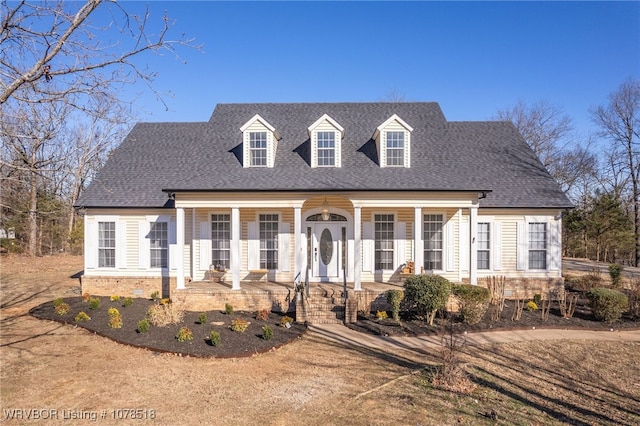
(49, 366)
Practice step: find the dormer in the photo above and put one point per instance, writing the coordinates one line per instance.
(259, 143)
(326, 142)
(393, 141)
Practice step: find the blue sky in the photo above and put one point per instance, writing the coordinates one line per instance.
(471, 57)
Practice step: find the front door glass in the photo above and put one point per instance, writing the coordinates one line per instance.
(326, 246)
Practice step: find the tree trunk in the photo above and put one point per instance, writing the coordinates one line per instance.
(33, 214)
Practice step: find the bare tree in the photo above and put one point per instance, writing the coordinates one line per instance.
(619, 122)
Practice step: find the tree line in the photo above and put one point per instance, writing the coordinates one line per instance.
(61, 113)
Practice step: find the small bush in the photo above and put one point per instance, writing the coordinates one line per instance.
(128, 301)
(114, 298)
(115, 321)
(394, 298)
(537, 298)
(532, 306)
(57, 302)
(165, 301)
(94, 303)
(143, 325)
(82, 316)
(428, 294)
(262, 315)
(228, 308)
(239, 325)
(267, 333)
(607, 304)
(184, 335)
(113, 312)
(155, 296)
(474, 302)
(615, 272)
(62, 309)
(285, 320)
(202, 318)
(162, 315)
(85, 297)
(381, 315)
(214, 336)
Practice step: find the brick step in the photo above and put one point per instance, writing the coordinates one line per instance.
(325, 321)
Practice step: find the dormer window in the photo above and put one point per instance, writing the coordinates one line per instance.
(393, 140)
(326, 137)
(259, 143)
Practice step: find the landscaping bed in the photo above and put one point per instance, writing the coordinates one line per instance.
(163, 339)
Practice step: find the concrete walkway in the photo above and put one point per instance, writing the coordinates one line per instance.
(341, 334)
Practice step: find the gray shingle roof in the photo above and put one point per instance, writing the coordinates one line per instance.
(445, 156)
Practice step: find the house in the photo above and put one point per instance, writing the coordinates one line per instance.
(321, 193)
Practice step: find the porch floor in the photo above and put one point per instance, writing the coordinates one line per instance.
(270, 286)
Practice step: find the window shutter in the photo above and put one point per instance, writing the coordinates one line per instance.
(555, 245)
(497, 246)
(91, 244)
(143, 245)
(121, 245)
(205, 246)
(173, 247)
(464, 246)
(284, 237)
(451, 240)
(253, 246)
(521, 252)
(400, 244)
(367, 246)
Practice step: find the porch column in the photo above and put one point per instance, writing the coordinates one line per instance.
(180, 247)
(418, 247)
(297, 243)
(357, 242)
(473, 255)
(235, 248)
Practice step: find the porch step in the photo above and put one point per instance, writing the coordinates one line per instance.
(321, 310)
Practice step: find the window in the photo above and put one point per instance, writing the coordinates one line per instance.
(268, 241)
(433, 242)
(395, 148)
(484, 244)
(326, 148)
(258, 148)
(106, 244)
(221, 241)
(158, 244)
(537, 245)
(383, 241)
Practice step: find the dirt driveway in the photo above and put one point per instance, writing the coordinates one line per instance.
(73, 377)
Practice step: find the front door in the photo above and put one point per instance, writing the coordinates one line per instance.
(326, 250)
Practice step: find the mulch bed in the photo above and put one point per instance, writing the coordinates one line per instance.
(411, 325)
(163, 339)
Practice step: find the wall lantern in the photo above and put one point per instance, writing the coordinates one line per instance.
(325, 210)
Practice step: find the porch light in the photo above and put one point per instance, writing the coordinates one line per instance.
(325, 210)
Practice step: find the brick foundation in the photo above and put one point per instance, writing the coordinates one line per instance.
(127, 286)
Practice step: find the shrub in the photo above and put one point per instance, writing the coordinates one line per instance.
(62, 309)
(262, 315)
(381, 315)
(615, 272)
(286, 320)
(474, 302)
(57, 302)
(155, 296)
(394, 298)
(143, 325)
(162, 315)
(537, 298)
(267, 332)
(128, 301)
(165, 301)
(228, 308)
(82, 316)
(202, 318)
(607, 304)
(214, 336)
(113, 312)
(114, 298)
(532, 306)
(184, 335)
(239, 325)
(94, 303)
(428, 293)
(85, 297)
(115, 320)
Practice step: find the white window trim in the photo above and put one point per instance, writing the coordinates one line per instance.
(279, 214)
(313, 137)
(379, 135)
(210, 217)
(551, 223)
(149, 219)
(96, 248)
(444, 240)
(272, 137)
(373, 238)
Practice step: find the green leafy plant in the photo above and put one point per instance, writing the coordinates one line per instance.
(143, 325)
(615, 272)
(184, 335)
(214, 336)
(82, 316)
(128, 301)
(155, 296)
(428, 294)
(115, 320)
(381, 315)
(267, 332)
(202, 318)
(286, 320)
(94, 303)
(474, 302)
(262, 315)
(394, 298)
(114, 298)
(607, 304)
(239, 325)
(62, 309)
(532, 306)
(537, 298)
(57, 302)
(228, 308)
